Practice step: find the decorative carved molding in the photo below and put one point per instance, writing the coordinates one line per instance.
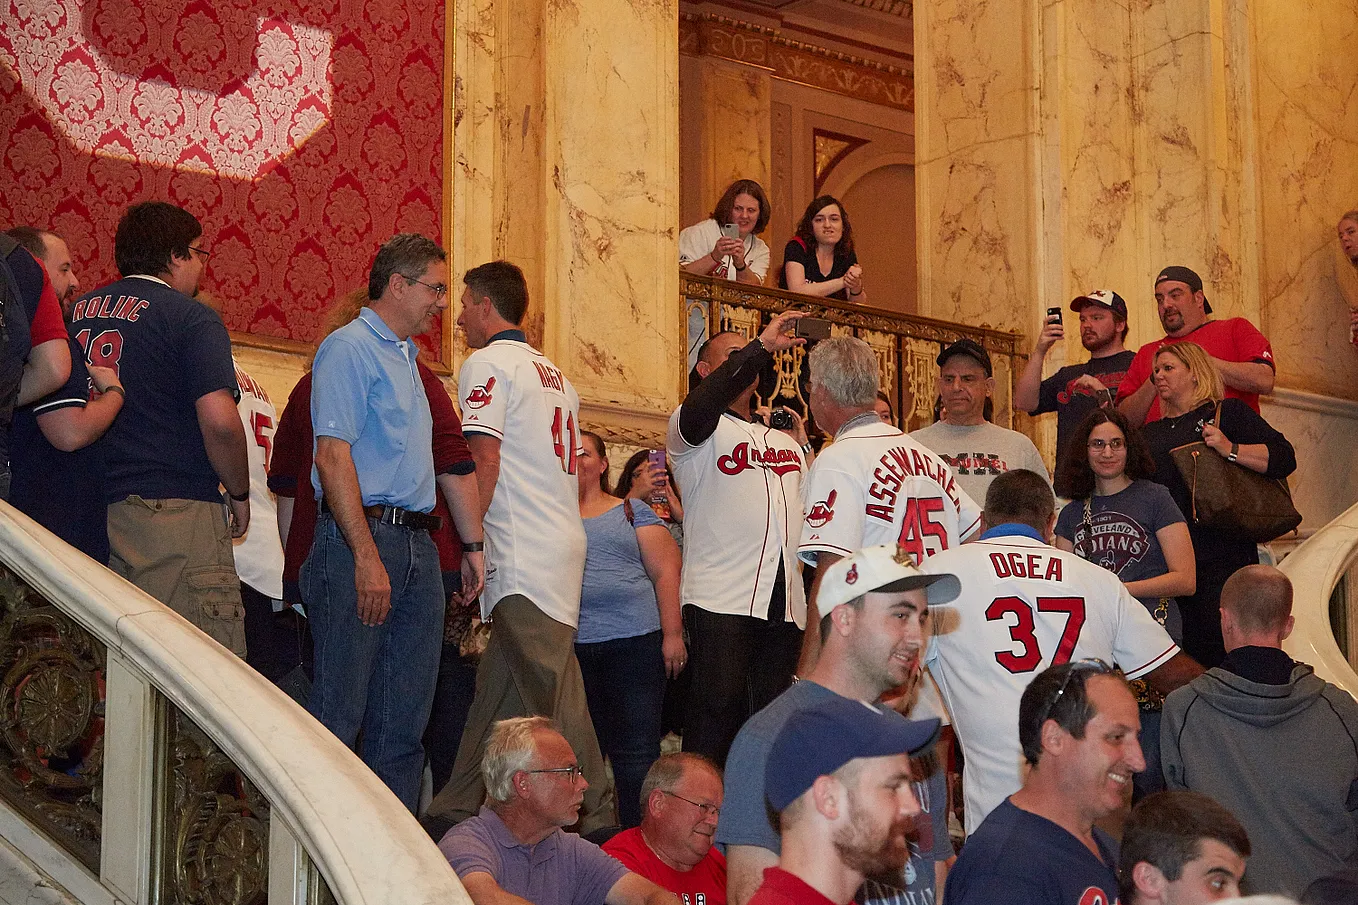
(217, 824)
(903, 8)
(51, 719)
(712, 35)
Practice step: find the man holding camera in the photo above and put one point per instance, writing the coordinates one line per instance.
(1076, 390)
(741, 585)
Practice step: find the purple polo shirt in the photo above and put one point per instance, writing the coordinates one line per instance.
(562, 869)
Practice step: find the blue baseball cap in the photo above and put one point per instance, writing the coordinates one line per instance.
(819, 740)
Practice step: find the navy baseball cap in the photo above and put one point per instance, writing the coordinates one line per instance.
(819, 740)
(1183, 275)
(1107, 298)
(972, 349)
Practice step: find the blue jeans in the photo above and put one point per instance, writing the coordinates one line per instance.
(625, 689)
(376, 678)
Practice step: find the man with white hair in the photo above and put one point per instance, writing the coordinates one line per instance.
(514, 852)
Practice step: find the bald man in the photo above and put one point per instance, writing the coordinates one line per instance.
(1269, 740)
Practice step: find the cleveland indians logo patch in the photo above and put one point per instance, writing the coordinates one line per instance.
(480, 396)
(822, 512)
(851, 577)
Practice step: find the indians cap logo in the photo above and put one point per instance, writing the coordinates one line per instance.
(821, 513)
(851, 577)
(480, 397)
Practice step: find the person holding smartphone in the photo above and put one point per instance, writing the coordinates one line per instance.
(727, 244)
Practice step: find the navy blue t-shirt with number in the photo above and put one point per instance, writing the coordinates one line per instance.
(1018, 858)
(169, 351)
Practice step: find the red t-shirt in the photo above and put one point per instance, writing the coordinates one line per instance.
(1234, 339)
(705, 884)
(47, 324)
(782, 888)
(290, 470)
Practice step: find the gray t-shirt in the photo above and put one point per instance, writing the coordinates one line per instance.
(745, 817)
(979, 453)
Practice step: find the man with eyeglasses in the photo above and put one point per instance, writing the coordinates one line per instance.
(680, 800)
(372, 584)
(1024, 606)
(521, 418)
(178, 439)
(514, 851)
(1077, 726)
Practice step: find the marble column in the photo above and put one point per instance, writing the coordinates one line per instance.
(732, 122)
(565, 160)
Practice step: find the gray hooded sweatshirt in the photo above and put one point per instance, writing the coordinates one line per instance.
(1282, 758)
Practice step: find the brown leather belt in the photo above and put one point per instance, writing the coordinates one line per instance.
(395, 515)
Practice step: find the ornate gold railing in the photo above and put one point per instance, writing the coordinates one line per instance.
(140, 762)
(907, 345)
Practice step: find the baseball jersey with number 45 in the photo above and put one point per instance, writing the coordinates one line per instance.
(535, 540)
(1024, 606)
(874, 485)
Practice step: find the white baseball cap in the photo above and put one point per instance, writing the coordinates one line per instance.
(882, 568)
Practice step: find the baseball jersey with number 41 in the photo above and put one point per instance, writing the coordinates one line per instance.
(535, 540)
(1024, 606)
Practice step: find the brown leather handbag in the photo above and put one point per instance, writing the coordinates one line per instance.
(1233, 498)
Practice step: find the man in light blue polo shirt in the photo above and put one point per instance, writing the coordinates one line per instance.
(372, 584)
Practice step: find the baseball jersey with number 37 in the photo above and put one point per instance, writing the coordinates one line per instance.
(535, 540)
(1024, 606)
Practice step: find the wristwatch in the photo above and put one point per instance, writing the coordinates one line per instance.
(1235, 452)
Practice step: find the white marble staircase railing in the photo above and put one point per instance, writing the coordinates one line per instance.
(141, 762)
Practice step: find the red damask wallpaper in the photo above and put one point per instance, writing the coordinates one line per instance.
(301, 135)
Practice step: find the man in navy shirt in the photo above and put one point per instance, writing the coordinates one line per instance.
(1078, 724)
(58, 467)
(178, 439)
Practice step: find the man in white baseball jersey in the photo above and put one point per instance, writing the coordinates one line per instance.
(741, 583)
(873, 485)
(521, 417)
(1026, 606)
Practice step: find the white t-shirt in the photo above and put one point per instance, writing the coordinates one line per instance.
(535, 540)
(1024, 606)
(742, 509)
(979, 453)
(700, 238)
(874, 485)
(259, 554)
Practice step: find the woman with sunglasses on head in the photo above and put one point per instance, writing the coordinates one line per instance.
(1122, 520)
(630, 637)
(1190, 389)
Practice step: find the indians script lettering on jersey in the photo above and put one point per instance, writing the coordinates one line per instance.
(1114, 542)
(897, 464)
(742, 456)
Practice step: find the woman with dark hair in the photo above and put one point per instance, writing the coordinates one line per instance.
(727, 243)
(1121, 519)
(630, 635)
(819, 260)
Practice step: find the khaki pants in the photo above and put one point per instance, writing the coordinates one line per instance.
(179, 552)
(529, 668)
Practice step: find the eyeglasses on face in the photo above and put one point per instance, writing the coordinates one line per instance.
(439, 290)
(573, 772)
(709, 810)
(1091, 665)
(202, 251)
(1100, 445)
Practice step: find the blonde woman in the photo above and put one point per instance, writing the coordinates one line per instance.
(1189, 389)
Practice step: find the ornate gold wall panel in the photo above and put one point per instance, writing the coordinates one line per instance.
(796, 61)
(51, 719)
